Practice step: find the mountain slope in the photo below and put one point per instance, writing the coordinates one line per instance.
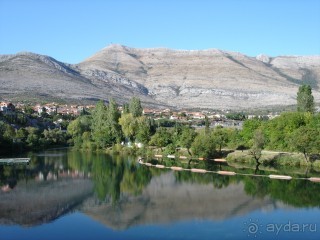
(210, 78)
(29, 75)
(177, 78)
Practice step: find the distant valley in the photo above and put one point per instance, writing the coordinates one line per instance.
(211, 79)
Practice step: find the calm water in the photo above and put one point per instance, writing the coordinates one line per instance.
(64, 194)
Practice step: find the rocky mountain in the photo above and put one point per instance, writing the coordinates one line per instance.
(178, 78)
(32, 76)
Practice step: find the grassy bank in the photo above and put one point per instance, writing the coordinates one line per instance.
(271, 158)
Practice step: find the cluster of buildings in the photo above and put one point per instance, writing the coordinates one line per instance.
(215, 118)
(7, 107)
(50, 108)
(181, 115)
(53, 108)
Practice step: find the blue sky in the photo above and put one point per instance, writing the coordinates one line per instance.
(72, 30)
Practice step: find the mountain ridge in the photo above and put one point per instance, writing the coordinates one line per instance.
(211, 78)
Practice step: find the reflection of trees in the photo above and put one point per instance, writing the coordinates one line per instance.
(135, 179)
(81, 161)
(298, 193)
(208, 178)
(116, 176)
(113, 176)
(107, 174)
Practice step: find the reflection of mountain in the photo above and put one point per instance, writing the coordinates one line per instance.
(34, 203)
(164, 201)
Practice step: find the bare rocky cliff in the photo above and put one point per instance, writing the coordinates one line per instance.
(183, 79)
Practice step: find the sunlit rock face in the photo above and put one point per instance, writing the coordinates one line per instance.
(179, 78)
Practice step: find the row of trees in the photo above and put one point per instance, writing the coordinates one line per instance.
(106, 126)
(17, 134)
(28, 138)
(292, 131)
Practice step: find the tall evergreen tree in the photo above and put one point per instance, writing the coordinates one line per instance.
(113, 121)
(305, 100)
(135, 107)
(125, 108)
(99, 129)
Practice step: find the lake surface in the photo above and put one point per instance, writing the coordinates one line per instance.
(65, 194)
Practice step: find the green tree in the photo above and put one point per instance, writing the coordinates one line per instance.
(135, 107)
(28, 110)
(129, 125)
(278, 130)
(99, 128)
(206, 124)
(204, 145)
(125, 108)
(161, 138)
(6, 137)
(305, 100)
(221, 137)
(258, 143)
(187, 137)
(144, 130)
(113, 116)
(54, 136)
(306, 140)
(249, 126)
(77, 127)
(33, 137)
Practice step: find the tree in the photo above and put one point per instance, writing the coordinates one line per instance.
(249, 126)
(100, 131)
(305, 100)
(206, 124)
(125, 108)
(33, 137)
(221, 137)
(144, 130)
(258, 143)
(187, 137)
(204, 145)
(135, 107)
(306, 140)
(6, 136)
(54, 136)
(129, 125)
(28, 110)
(113, 116)
(161, 138)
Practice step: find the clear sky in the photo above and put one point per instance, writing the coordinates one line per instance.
(72, 30)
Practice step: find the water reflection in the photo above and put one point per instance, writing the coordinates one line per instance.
(120, 193)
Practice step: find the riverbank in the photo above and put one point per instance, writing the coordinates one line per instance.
(272, 158)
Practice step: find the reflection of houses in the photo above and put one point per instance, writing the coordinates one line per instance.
(61, 174)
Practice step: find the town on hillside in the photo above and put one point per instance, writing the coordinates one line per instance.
(223, 118)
